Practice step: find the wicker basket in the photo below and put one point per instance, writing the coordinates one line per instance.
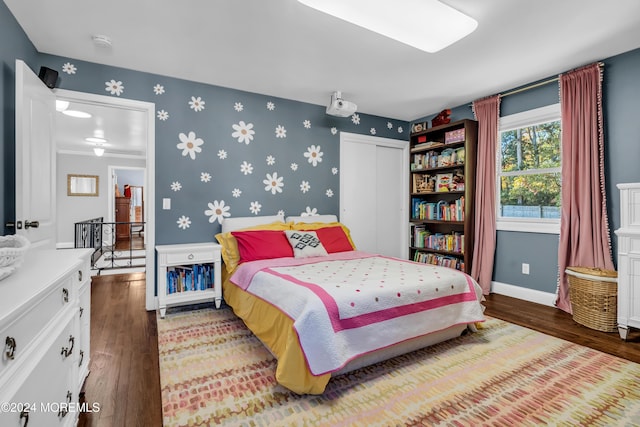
(594, 297)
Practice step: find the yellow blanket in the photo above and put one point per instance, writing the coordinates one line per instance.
(268, 324)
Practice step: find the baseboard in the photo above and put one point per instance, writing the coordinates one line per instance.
(64, 245)
(531, 295)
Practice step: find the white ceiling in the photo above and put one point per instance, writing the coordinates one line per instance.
(285, 49)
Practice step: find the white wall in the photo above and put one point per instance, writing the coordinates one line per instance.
(72, 209)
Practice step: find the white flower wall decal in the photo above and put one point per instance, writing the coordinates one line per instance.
(334, 171)
(217, 211)
(389, 125)
(273, 183)
(243, 132)
(307, 124)
(205, 176)
(69, 68)
(114, 87)
(196, 104)
(176, 186)
(294, 167)
(281, 132)
(183, 222)
(309, 212)
(158, 89)
(222, 154)
(163, 115)
(372, 131)
(236, 192)
(238, 106)
(400, 130)
(255, 207)
(281, 213)
(334, 130)
(304, 186)
(271, 106)
(190, 144)
(329, 192)
(313, 155)
(246, 168)
(271, 160)
(355, 119)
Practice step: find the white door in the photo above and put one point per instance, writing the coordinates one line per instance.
(35, 159)
(374, 193)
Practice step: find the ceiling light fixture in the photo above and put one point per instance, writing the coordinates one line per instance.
(61, 105)
(428, 25)
(77, 114)
(98, 150)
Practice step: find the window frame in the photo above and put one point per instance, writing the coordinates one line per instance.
(535, 116)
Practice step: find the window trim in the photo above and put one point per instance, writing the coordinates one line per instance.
(515, 121)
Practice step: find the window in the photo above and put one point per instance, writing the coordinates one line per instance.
(528, 171)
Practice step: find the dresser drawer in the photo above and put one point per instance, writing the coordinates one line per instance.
(18, 334)
(191, 257)
(48, 387)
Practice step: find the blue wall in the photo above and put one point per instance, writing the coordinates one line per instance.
(286, 134)
(621, 90)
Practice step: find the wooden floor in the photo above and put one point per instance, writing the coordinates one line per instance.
(125, 381)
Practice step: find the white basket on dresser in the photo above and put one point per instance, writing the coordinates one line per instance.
(629, 258)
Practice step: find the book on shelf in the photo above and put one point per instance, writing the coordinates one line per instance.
(197, 277)
(426, 145)
(440, 211)
(438, 259)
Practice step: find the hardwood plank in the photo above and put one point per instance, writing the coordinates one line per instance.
(125, 375)
(555, 322)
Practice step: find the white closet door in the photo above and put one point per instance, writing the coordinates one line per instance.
(373, 193)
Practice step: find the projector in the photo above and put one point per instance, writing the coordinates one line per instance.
(339, 107)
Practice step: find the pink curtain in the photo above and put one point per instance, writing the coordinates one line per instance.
(584, 227)
(487, 113)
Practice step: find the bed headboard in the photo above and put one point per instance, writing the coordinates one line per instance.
(313, 218)
(232, 224)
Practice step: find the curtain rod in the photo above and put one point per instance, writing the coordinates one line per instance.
(535, 85)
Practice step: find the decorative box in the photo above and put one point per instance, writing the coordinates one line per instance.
(454, 136)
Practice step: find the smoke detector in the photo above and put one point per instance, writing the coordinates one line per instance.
(101, 40)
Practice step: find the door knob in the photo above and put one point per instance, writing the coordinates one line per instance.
(31, 224)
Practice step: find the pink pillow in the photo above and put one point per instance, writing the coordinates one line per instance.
(334, 239)
(262, 244)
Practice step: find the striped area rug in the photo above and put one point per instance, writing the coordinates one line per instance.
(214, 371)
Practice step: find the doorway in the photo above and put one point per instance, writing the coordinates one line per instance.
(148, 110)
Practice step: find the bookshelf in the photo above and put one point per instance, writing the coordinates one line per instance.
(441, 194)
(188, 274)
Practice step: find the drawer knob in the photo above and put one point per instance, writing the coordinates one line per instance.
(10, 347)
(81, 311)
(65, 294)
(66, 351)
(79, 275)
(190, 256)
(81, 357)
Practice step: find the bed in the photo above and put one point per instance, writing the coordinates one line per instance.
(323, 308)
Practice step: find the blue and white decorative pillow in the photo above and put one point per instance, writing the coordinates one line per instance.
(305, 244)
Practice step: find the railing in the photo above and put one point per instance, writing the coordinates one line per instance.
(116, 244)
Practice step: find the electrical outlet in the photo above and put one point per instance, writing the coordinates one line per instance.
(525, 268)
(166, 204)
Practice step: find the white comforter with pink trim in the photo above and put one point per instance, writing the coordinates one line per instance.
(352, 303)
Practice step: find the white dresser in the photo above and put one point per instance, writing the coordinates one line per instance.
(629, 259)
(45, 309)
